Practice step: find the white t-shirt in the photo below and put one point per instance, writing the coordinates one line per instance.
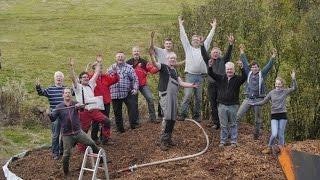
(161, 55)
(88, 91)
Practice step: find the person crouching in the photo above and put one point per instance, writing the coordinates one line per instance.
(67, 113)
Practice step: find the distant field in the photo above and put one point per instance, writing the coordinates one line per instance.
(38, 36)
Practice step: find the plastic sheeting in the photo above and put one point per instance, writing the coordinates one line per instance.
(10, 175)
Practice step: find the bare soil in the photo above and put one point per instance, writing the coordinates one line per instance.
(139, 146)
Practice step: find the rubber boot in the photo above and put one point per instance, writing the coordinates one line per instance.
(170, 142)
(66, 165)
(164, 145)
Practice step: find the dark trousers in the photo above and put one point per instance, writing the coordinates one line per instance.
(69, 141)
(168, 129)
(160, 113)
(213, 94)
(130, 101)
(95, 125)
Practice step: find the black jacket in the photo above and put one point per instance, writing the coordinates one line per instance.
(219, 64)
(228, 90)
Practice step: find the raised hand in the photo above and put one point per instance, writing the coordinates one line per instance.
(37, 81)
(151, 51)
(210, 62)
(71, 61)
(180, 19)
(240, 64)
(274, 53)
(201, 38)
(213, 23)
(242, 48)
(231, 38)
(293, 74)
(99, 58)
(152, 34)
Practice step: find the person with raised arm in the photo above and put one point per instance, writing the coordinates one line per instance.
(279, 116)
(124, 91)
(84, 91)
(255, 89)
(161, 57)
(218, 66)
(228, 101)
(195, 69)
(104, 81)
(67, 114)
(142, 68)
(169, 83)
(54, 94)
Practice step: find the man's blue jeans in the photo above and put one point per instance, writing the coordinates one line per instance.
(277, 130)
(146, 92)
(257, 113)
(196, 113)
(57, 146)
(228, 118)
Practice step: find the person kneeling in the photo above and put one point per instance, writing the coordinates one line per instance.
(168, 91)
(68, 115)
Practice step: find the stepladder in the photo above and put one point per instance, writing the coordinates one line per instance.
(95, 160)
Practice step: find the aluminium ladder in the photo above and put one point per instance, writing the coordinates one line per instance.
(95, 165)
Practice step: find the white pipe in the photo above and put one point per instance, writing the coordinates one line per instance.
(132, 168)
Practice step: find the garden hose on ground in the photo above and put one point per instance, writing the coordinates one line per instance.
(136, 166)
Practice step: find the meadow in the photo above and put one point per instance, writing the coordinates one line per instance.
(37, 37)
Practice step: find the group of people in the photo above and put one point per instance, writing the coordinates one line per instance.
(95, 90)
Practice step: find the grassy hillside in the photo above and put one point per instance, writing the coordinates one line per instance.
(38, 36)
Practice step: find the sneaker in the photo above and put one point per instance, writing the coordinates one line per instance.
(256, 136)
(171, 143)
(55, 157)
(164, 146)
(221, 145)
(234, 145)
(268, 150)
(108, 142)
(180, 118)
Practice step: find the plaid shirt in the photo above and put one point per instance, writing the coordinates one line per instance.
(128, 81)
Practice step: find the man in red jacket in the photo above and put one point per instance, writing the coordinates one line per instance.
(104, 81)
(142, 68)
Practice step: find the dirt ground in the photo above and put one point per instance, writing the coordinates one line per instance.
(139, 146)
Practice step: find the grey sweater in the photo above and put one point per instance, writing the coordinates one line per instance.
(278, 98)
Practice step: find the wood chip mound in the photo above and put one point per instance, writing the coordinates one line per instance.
(139, 146)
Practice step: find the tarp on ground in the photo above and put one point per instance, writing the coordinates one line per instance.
(299, 165)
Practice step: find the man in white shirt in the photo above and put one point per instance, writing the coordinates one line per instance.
(195, 69)
(84, 91)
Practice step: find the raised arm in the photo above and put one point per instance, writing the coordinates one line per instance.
(152, 40)
(73, 76)
(293, 86)
(204, 54)
(113, 77)
(153, 59)
(268, 67)
(227, 56)
(183, 36)
(40, 91)
(96, 72)
(214, 75)
(208, 40)
(244, 59)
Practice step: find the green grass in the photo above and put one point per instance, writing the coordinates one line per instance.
(14, 140)
(38, 36)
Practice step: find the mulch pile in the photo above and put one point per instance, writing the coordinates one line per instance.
(139, 146)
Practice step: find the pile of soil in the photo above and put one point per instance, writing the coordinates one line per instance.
(139, 146)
